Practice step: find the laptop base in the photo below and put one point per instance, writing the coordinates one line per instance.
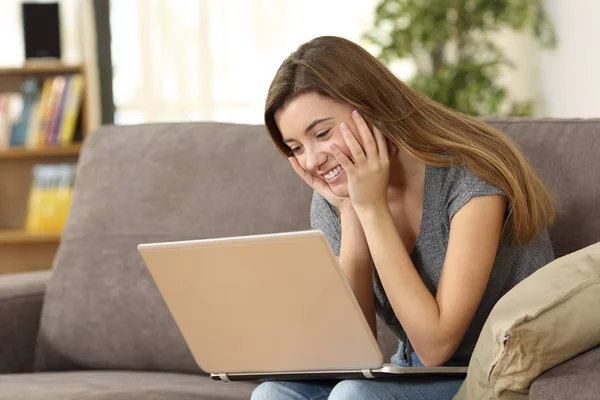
(386, 371)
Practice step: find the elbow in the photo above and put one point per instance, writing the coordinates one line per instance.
(434, 361)
(436, 356)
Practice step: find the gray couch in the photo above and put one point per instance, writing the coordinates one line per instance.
(96, 327)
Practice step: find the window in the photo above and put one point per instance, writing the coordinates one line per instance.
(180, 60)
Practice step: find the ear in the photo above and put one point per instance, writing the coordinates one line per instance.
(392, 149)
(368, 120)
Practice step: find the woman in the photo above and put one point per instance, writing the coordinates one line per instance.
(434, 215)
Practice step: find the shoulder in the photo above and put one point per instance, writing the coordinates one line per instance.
(320, 209)
(456, 185)
(323, 215)
(324, 218)
(459, 179)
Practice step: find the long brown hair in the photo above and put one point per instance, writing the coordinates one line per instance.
(432, 133)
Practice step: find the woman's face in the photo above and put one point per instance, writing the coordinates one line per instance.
(309, 125)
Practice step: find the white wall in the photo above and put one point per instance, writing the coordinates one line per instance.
(570, 76)
(564, 82)
(522, 81)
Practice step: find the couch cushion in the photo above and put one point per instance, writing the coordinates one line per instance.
(546, 319)
(566, 155)
(152, 183)
(573, 379)
(117, 385)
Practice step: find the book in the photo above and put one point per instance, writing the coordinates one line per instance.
(35, 137)
(33, 125)
(72, 109)
(50, 116)
(49, 197)
(30, 91)
(4, 122)
(10, 115)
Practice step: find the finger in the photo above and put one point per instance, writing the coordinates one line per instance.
(306, 177)
(355, 148)
(343, 159)
(366, 136)
(381, 143)
(316, 184)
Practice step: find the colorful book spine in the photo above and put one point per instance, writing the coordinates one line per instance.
(36, 135)
(72, 109)
(60, 111)
(33, 125)
(31, 92)
(52, 116)
(4, 121)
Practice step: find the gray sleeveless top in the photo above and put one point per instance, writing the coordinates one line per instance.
(447, 189)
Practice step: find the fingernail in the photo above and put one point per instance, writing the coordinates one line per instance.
(343, 126)
(355, 114)
(332, 146)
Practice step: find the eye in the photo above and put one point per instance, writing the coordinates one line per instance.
(322, 134)
(295, 150)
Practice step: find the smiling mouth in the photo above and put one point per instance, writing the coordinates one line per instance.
(333, 173)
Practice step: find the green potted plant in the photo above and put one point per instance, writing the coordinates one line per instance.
(457, 61)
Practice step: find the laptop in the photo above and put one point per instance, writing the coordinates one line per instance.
(268, 307)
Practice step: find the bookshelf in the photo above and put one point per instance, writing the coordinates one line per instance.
(21, 250)
(23, 237)
(18, 153)
(40, 69)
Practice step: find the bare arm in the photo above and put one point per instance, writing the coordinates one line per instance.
(355, 260)
(436, 325)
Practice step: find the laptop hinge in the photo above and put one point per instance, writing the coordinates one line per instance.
(223, 377)
(368, 374)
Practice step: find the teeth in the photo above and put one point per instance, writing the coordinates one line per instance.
(333, 173)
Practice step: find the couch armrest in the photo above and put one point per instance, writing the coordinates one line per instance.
(21, 298)
(576, 378)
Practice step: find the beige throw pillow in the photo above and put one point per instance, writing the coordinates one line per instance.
(548, 318)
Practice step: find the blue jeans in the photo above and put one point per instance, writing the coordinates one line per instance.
(402, 388)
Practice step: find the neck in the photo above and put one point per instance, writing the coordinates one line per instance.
(406, 174)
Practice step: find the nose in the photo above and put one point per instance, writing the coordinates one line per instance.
(314, 159)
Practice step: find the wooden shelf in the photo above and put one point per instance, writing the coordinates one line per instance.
(20, 250)
(22, 237)
(14, 153)
(41, 69)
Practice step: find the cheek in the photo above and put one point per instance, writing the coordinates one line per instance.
(356, 134)
(301, 161)
(338, 139)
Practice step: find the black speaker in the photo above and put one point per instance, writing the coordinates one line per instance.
(41, 28)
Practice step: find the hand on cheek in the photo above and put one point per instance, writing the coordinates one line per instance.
(366, 164)
(338, 200)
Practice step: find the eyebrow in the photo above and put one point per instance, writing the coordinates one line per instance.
(310, 127)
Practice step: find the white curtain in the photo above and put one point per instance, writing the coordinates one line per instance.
(180, 60)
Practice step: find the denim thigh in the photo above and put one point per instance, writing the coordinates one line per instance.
(418, 388)
(402, 388)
